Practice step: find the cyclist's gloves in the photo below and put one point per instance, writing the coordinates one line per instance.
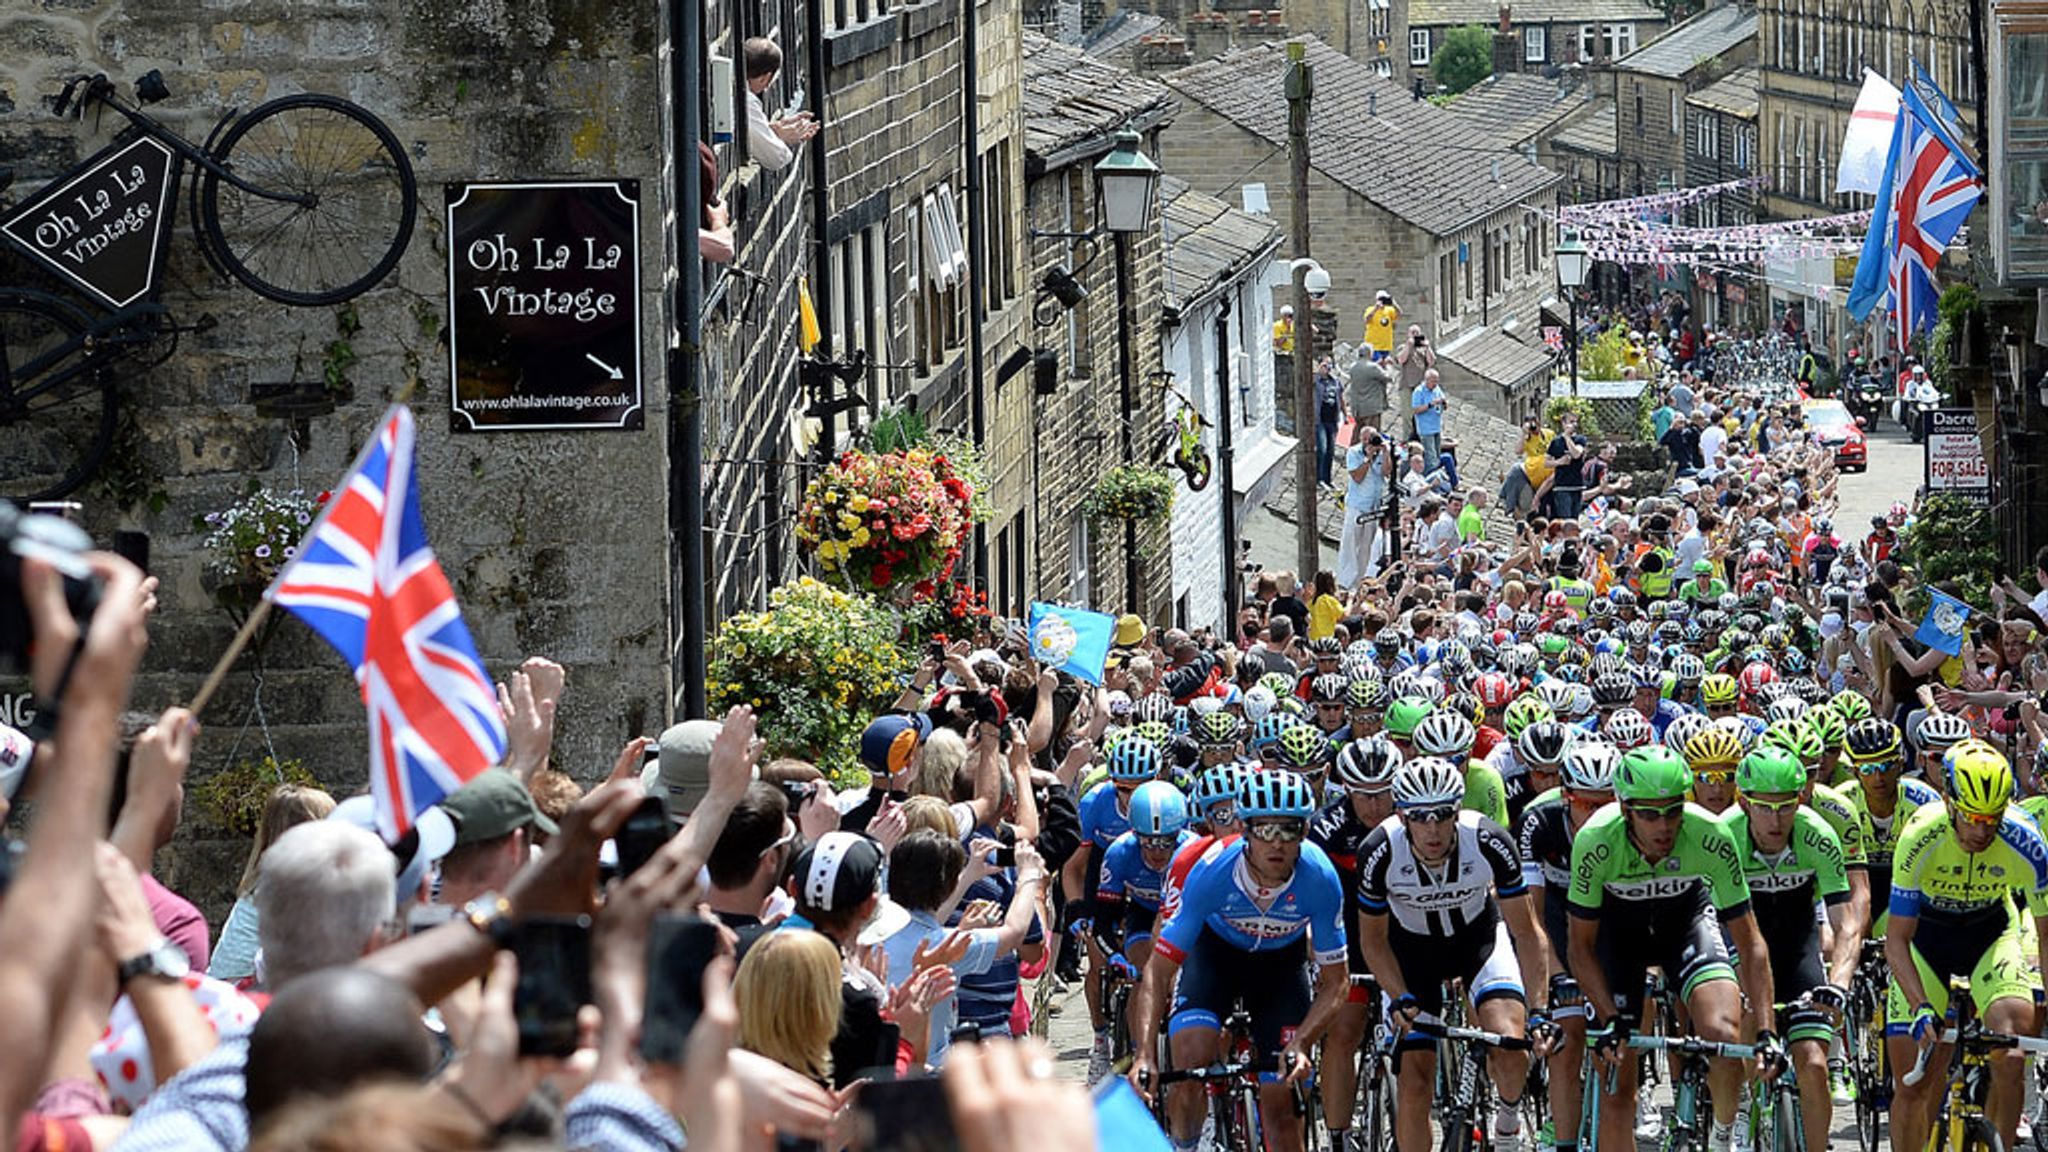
(1540, 1027)
(1828, 996)
(1406, 1008)
(1769, 1051)
(1925, 1022)
(1609, 1034)
(1564, 991)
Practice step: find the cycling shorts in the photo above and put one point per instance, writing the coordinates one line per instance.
(1682, 937)
(1796, 969)
(1484, 960)
(1993, 955)
(1273, 985)
(1138, 922)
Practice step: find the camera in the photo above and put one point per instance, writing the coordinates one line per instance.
(58, 543)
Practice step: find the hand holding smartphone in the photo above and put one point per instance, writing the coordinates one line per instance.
(679, 949)
(643, 834)
(554, 983)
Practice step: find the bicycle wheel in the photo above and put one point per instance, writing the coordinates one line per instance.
(1980, 1136)
(1375, 1123)
(57, 402)
(1786, 1130)
(1870, 1074)
(359, 200)
(1119, 1024)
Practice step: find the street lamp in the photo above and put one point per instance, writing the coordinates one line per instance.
(1573, 262)
(1126, 185)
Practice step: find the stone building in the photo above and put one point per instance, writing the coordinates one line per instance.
(1547, 33)
(1404, 196)
(1721, 146)
(1650, 86)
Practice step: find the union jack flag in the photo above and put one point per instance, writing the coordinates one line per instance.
(366, 580)
(1937, 187)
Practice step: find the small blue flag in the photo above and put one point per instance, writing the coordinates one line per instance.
(1943, 627)
(1071, 640)
(1941, 110)
(1123, 1122)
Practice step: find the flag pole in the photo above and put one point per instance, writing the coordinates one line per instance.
(228, 658)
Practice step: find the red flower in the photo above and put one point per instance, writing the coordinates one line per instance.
(881, 576)
(923, 588)
(322, 498)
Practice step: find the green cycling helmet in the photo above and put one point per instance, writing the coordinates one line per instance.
(1794, 736)
(1404, 714)
(1651, 773)
(1157, 731)
(1851, 705)
(1552, 644)
(1523, 711)
(1366, 693)
(1829, 725)
(1769, 769)
(1303, 749)
(1219, 728)
(1278, 684)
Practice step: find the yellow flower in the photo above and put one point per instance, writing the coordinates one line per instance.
(859, 503)
(860, 537)
(848, 521)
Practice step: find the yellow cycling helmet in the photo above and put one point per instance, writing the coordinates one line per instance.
(1979, 778)
(1718, 689)
(1713, 748)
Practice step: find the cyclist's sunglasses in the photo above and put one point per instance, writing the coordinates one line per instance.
(1320, 704)
(1438, 814)
(1229, 747)
(1714, 775)
(1776, 809)
(1270, 752)
(1277, 831)
(1876, 767)
(1660, 812)
(1375, 790)
(1222, 814)
(1982, 821)
(1158, 843)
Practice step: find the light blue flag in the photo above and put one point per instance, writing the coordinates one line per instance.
(1123, 1122)
(1873, 268)
(1943, 627)
(1071, 640)
(1940, 110)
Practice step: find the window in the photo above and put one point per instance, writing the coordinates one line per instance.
(1799, 157)
(1465, 261)
(1709, 136)
(1447, 287)
(1677, 113)
(1639, 104)
(1800, 60)
(1745, 148)
(1077, 558)
(1418, 46)
(1623, 37)
(1379, 18)
(849, 13)
(999, 226)
(935, 240)
(1820, 47)
(859, 303)
(1589, 41)
(1533, 47)
(1780, 37)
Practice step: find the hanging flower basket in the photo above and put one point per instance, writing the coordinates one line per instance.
(887, 523)
(250, 541)
(1130, 492)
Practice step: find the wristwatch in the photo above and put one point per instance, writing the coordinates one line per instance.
(489, 914)
(163, 959)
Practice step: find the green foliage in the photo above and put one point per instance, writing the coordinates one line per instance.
(1646, 421)
(234, 797)
(1602, 357)
(1958, 300)
(1589, 421)
(816, 667)
(1465, 59)
(898, 430)
(1131, 492)
(1941, 354)
(124, 478)
(1952, 543)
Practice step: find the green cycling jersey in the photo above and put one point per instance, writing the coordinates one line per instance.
(1607, 866)
(1785, 884)
(1485, 792)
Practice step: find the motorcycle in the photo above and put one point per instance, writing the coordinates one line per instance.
(1865, 398)
(1913, 414)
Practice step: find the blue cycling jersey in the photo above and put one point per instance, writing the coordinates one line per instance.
(1220, 895)
(1667, 711)
(1125, 875)
(1104, 815)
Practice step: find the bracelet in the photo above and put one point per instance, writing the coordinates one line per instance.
(467, 1101)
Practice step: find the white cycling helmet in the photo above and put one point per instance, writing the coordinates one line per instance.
(1427, 782)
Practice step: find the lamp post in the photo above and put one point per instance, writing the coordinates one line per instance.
(1126, 183)
(1573, 261)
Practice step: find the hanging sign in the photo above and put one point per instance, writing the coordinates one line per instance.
(1955, 461)
(102, 229)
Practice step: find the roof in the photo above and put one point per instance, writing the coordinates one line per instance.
(1589, 130)
(1686, 46)
(1112, 42)
(1074, 104)
(1424, 165)
(1492, 354)
(1431, 13)
(1733, 94)
(1207, 241)
(1516, 105)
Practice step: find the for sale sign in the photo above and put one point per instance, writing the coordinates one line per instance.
(1955, 456)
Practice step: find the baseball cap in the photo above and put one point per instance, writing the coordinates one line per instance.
(430, 838)
(838, 872)
(681, 773)
(491, 805)
(890, 741)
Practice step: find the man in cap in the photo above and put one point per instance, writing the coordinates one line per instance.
(889, 749)
(836, 883)
(494, 817)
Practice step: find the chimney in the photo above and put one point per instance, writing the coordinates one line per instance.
(1507, 48)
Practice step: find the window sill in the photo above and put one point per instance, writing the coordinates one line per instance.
(923, 18)
(845, 45)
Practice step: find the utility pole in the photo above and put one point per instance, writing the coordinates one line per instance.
(1300, 86)
(685, 408)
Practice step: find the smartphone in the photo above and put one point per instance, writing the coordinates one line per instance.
(679, 948)
(909, 1115)
(936, 651)
(1004, 857)
(554, 982)
(799, 793)
(643, 834)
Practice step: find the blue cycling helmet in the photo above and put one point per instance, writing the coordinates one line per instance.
(1268, 728)
(1270, 794)
(1216, 786)
(1158, 809)
(1134, 758)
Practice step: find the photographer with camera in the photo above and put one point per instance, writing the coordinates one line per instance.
(1369, 466)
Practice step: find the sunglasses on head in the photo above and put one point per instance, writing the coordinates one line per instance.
(1375, 790)
(1438, 814)
(1982, 821)
(1671, 811)
(1277, 831)
(1777, 807)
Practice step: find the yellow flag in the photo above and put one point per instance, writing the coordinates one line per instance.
(807, 316)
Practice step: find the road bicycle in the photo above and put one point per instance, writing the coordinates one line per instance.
(1464, 1090)
(1119, 987)
(1231, 1088)
(1960, 1122)
(307, 200)
(1373, 1117)
(1863, 1044)
(1687, 1129)
(1180, 443)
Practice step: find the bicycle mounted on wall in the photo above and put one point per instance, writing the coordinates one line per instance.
(307, 200)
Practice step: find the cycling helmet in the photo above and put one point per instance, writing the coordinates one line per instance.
(1404, 714)
(1291, 708)
(1519, 660)
(1871, 740)
(1444, 733)
(1258, 703)
(1155, 731)
(1695, 632)
(1556, 693)
(1277, 683)
(1652, 772)
(1281, 793)
(1606, 662)
(1454, 659)
(1429, 688)
(1713, 748)
(1555, 601)
(1793, 736)
(1544, 744)
(1682, 729)
(1155, 706)
(1566, 668)
(1851, 704)
(1494, 690)
(1688, 668)
(1183, 753)
(1158, 809)
(1828, 725)
(1728, 602)
(1427, 782)
(1767, 770)
(1134, 758)
(1613, 690)
(1589, 766)
(1303, 748)
(1324, 648)
(1600, 609)
(1219, 728)
(1366, 693)
(1387, 642)
(1739, 728)
(1940, 731)
(1979, 778)
(1526, 623)
(1406, 683)
(1784, 707)
(1755, 675)
(1327, 689)
(1792, 662)
(1627, 729)
(1368, 763)
(1579, 701)
(1216, 785)
(1523, 711)
(1776, 636)
(1622, 598)
(1467, 705)
(1268, 729)
(1566, 625)
(1638, 633)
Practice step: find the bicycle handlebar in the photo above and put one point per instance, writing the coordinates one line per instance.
(1220, 1070)
(1980, 1041)
(1471, 1036)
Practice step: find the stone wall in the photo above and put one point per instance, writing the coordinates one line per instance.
(534, 528)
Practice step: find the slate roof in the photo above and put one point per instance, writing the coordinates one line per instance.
(1432, 13)
(1590, 130)
(1207, 241)
(1734, 94)
(1702, 38)
(1411, 158)
(1074, 103)
(1113, 41)
(1492, 354)
(1517, 106)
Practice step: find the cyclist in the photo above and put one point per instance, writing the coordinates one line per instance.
(1954, 872)
(1539, 753)
(1546, 831)
(1799, 738)
(1712, 755)
(1656, 882)
(1247, 916)
(1885, 800)
(1446, 734)
(1935, 734)
(1792, 858)
(1441, 896)
(1133, 878)
(1221, 738)
(1367, 697)
(1105, 815)
(1326, 695)
(1365, 772)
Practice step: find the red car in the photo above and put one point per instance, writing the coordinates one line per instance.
(1829, 424)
